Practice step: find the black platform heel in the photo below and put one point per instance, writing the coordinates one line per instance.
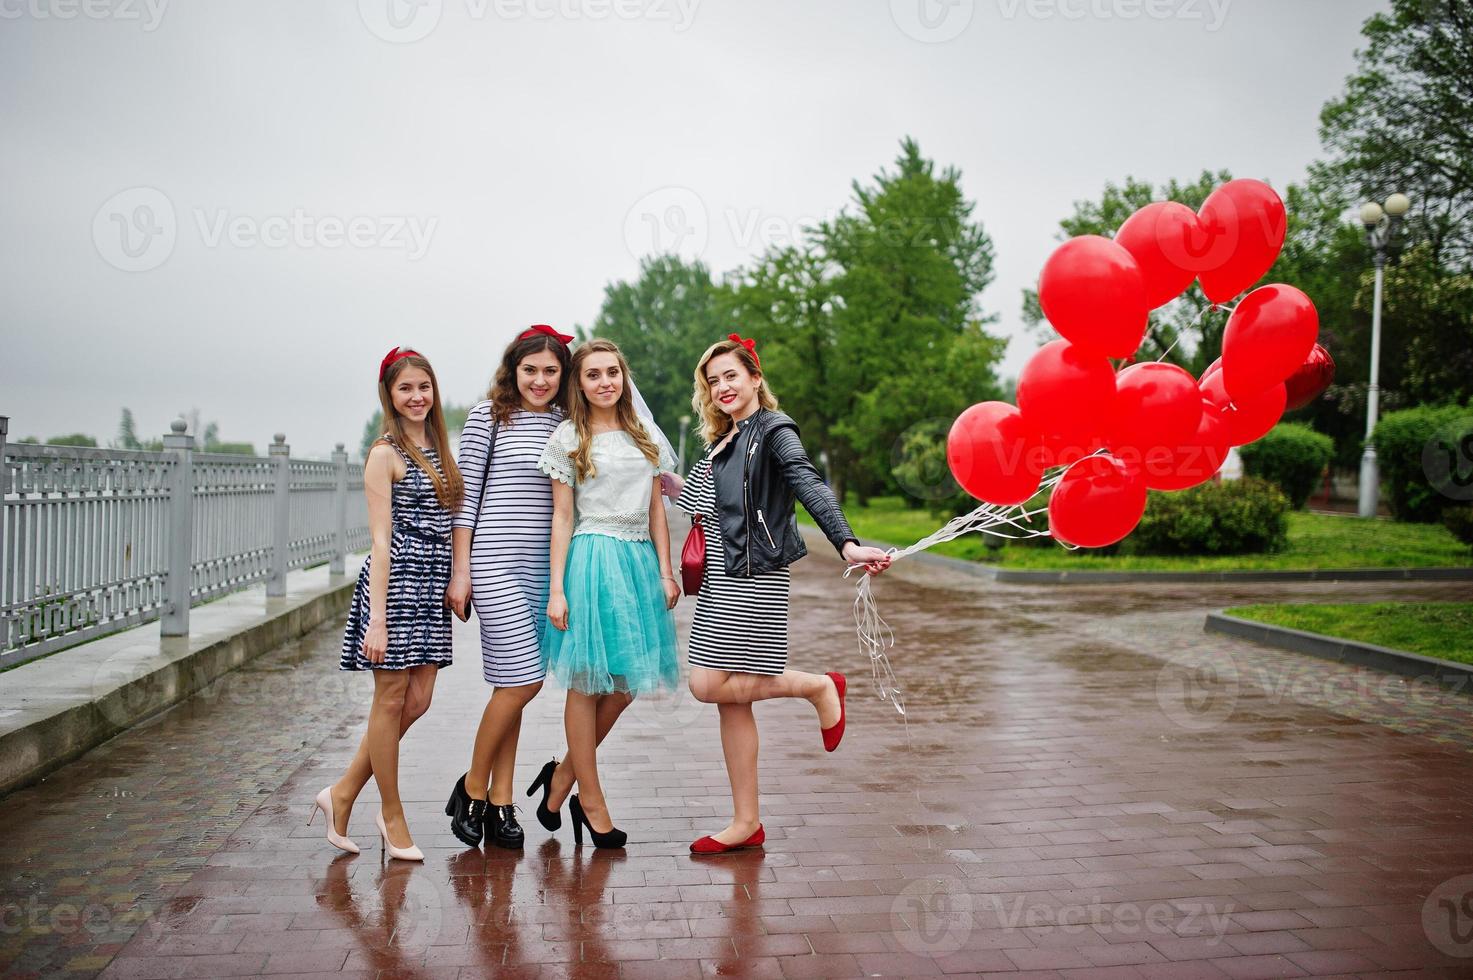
(614, 838)
(502, 828)
(467, 815)
(550, 819)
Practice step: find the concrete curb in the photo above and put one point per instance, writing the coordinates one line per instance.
(1457, 676)
(58, 707)
(1022, 576)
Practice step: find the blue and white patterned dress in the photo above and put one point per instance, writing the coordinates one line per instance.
(509, 550)
(419, 575)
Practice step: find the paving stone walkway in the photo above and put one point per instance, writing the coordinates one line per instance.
(1086, 785)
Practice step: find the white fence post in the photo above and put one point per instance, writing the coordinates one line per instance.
(339, 561)
(281, 517)
(5, 572)
(179, 579)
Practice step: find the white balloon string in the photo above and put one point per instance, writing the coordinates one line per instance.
(876, 637)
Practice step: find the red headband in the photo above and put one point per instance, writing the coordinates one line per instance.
(542, 328)
(397, 354)
(750, 344)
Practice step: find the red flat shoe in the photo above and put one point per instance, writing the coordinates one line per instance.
(834, 734)
(710, 845)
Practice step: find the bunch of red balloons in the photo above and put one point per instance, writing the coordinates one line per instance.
(1159, 427)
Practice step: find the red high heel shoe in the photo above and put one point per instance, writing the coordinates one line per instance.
(835, 733)
(710, 845)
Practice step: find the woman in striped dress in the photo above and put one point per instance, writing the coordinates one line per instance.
(501, 563)
(743, 492)
(399, 621)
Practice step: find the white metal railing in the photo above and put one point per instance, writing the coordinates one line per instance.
(97, 540)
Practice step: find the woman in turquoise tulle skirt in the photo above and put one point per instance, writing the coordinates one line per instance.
(612, 587)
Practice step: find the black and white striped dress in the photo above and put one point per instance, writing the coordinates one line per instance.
(419, 574)
(741, 624)
(509, 553)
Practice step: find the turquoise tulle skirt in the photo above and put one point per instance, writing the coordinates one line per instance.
(620, 636)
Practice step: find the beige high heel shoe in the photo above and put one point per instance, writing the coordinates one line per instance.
(410, 853)
(323, 802)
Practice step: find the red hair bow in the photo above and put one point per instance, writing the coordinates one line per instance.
(397, 354)
(562, 338)
(750, 344)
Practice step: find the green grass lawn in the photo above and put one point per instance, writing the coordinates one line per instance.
(1315, 541)
(1433, 629)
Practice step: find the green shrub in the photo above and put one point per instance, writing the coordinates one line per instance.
(1459, 520)
(1231, 517)
(1401, 439)
(1292, 457)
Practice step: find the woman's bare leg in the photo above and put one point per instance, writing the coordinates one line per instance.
(496, 741)
(732, 687)
(419, 687)
(610, 707)
(739, 746)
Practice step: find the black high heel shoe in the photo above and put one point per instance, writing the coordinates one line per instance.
(467, 815)
(614, 838)
(550, 819)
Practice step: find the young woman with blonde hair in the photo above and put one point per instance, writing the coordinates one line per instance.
(743, 494)
(399, 621)
(612, 585)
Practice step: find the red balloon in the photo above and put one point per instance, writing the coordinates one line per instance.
(1310, 380)
(1156, 404)
(1161, 237)
(1249, 418)
(1092, 291)
(1270, 333)
(1099, 501)
(1068, 396)
(994, 454)
(1244, 225)
(1195, 460)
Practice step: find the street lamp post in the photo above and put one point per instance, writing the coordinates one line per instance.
(1381, 223)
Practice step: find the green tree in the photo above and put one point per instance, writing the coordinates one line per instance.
(1405, 121)
(127, 432)
(663, 322)
(75, 439)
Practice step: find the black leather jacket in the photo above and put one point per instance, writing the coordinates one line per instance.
(757, 477)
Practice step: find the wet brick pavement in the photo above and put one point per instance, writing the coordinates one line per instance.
(1087, 786)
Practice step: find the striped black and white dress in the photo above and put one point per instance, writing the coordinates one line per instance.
(741, 624)
(417, 620)
(509, 552)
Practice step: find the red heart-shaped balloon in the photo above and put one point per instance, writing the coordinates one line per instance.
(1270, 333)
(1310, 380)
(1244, 225)
(1161, 237)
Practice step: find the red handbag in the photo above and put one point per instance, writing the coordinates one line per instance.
(693, 557)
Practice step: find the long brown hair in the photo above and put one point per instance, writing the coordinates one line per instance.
(714, 422)
(578, 411)
(505, 396)
(449, 487)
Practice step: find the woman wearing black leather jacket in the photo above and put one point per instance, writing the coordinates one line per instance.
(744, 491)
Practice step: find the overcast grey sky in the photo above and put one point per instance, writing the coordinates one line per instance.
(239, 205)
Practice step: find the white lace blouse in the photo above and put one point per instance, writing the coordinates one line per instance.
(616, 499)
